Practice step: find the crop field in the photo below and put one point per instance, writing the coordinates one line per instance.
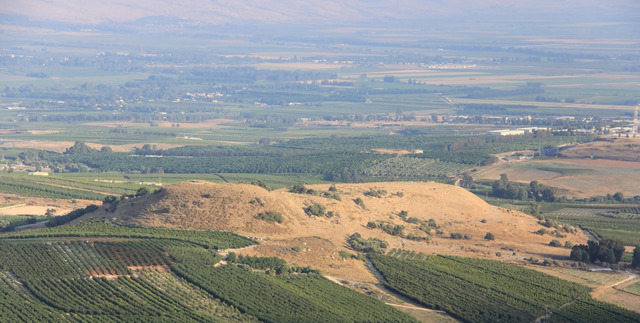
(635, 288)
(569, 212)
(126, 274)
(414, 168)
(583, 277)
(475, 289)
(626, 230)
(65, 187)
(578, 177)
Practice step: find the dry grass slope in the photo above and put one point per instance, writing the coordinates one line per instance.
(317, 241)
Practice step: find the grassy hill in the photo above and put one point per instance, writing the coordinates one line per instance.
(428, 212)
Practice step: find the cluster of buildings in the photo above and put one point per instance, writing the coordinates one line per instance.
(516, 132)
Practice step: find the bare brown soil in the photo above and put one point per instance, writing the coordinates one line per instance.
(61, 146)
(11, 204)
(213, 123)
(57, 146)
(317, 241)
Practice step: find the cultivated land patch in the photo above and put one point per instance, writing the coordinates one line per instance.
(578, 178)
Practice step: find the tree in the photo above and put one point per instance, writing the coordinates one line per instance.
(609, 251)
(549, 194)
(466, 181)
(636, 257)
(142, 191)
(619, 197)
(4, 224)
(231, 256)
(389, 78)
(106, 149)
(535, 209)
(109, 199)
(580, 253)
(79, 148)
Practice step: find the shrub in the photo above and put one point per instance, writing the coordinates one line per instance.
(568, 245)
(261, 184)
(316, 209)
(371, 225)
(394, 230)
(232, 257)
(555, 243)
(413, 219)
(489, 236)
(347, 255)
(270, 217)
(359, 202)
(142, 191)
(455, 235)
(375, 193)
(467, 236)
(298, 188)
(109, 199)
(373, 245)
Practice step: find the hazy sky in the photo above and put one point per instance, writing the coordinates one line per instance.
(315, 11)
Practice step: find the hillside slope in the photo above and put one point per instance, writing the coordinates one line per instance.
(317, 240)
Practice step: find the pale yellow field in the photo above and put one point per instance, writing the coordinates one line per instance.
(600, 177)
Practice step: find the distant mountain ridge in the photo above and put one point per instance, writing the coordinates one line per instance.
(218, 12)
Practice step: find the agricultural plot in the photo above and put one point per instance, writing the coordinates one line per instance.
(69, 278)
(590, 310)
(483, 290)
(634, 288)
(414, 168)
(162, 275)
(289, 299)
(576, 212)
(624, 213)
(29, 187)
(626, 230)
(208, 239)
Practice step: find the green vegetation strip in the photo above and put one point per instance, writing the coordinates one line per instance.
(24, 186)
(209, 239)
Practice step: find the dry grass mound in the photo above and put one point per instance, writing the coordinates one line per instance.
(318, 240)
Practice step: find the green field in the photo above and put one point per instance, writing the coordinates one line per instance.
(125, 274)
(484, 290)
